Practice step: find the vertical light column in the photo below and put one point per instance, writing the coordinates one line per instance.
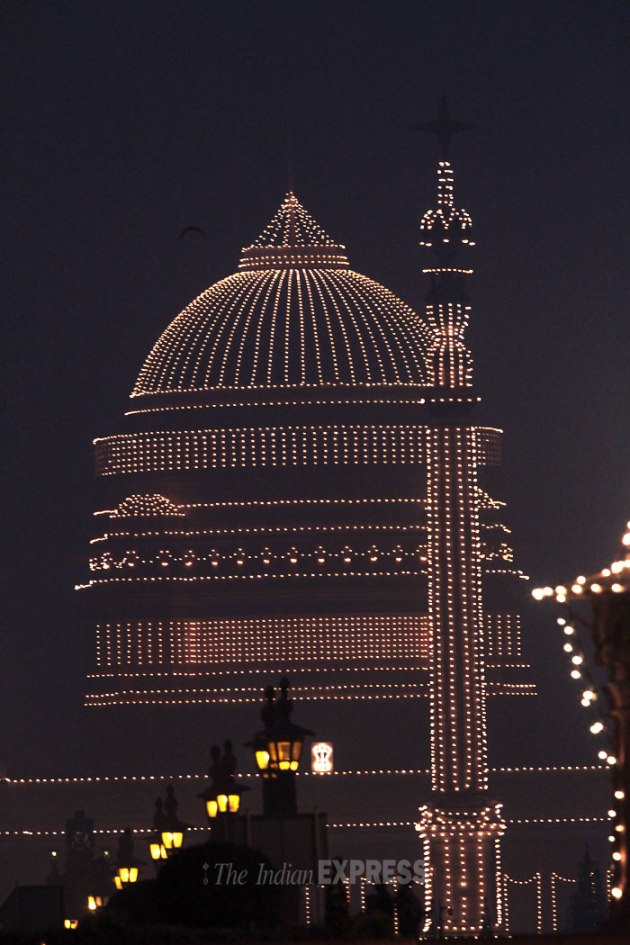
(461, 827)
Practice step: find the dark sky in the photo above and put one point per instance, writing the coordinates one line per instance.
(123, 123)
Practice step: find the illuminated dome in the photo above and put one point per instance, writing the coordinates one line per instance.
(263, 509)
(293, 315)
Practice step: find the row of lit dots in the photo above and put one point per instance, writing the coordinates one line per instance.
(395, 689)
(274, 258)
(560, 592)
(251, 577)
(450, 829)
(100, 701)
(240, 557)
(365, 772)
(418, 384)
(264, 530)
(405, 626)
(369, 623)
(246, 308)
(310, 669)
(500, 688)
(618, 567)
(504, 552)
(336, 691)
(240, 404)
(246, 434)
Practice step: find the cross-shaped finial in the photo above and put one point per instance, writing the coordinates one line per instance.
(443, 127)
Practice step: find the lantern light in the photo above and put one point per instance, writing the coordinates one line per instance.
(212, 807)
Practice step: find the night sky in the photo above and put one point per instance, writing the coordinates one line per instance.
(124, 123)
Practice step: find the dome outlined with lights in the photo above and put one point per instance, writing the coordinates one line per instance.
(294, 315)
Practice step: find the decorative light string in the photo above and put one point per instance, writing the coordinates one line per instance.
(554, 880)
(536, 879)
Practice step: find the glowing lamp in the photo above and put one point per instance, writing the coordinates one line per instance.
(222, 801)
(126, 874)
(262, 760)
(212, 807)
(118, 882)
(234, 802)
(172, 839)
(157, 850)
(260, 747)
(94, 903)
(70, 923)
(285, 752)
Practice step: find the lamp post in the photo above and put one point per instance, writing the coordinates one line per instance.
(277, 752)
(169, 830)
(127, 867)
(222, 797)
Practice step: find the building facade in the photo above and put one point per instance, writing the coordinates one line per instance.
(300, 487)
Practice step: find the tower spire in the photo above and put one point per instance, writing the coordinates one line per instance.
(461, 826)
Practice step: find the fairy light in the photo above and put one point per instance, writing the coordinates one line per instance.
(536, 881)
(607, 583)
(554, 879)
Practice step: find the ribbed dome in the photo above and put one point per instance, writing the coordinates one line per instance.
(294, 315)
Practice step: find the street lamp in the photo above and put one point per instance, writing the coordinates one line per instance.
(169, 830)
(262, 757)
(277, 752)
(126, 863)
(157, 850)
(222, 797)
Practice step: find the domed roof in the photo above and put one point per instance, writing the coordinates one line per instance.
(294, 314)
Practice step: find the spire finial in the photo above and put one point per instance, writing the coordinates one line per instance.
(443, 127)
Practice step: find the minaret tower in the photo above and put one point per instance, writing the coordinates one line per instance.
(461, 826)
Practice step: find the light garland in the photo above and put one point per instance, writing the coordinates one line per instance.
(556, 878)
(339, 773)
(536, 879)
